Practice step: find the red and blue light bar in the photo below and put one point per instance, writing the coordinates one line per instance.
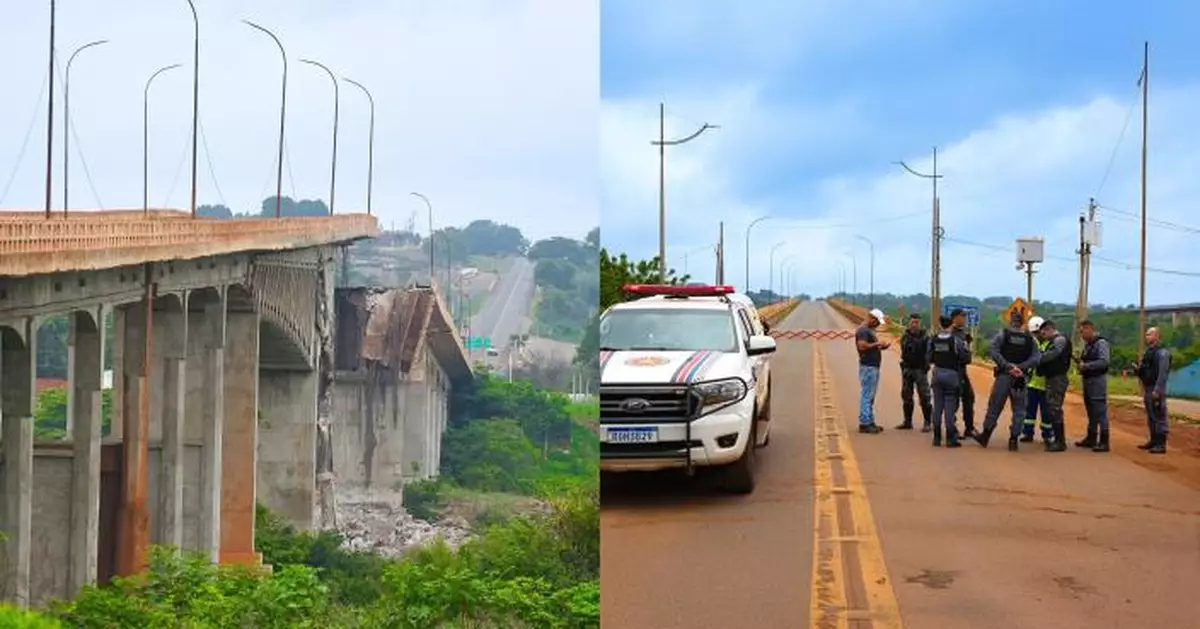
(676, 290)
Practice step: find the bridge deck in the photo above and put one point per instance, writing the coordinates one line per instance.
(84, 241)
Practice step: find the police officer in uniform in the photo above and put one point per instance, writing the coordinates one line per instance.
(1036, 402)
(1093, 364)
(947, 353)
(959, 318)
(1053, 365)
(914, 372)
(1152, 371)
(1014, 352)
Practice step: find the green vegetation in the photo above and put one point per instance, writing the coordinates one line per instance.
(509, 438)
(50, 414)
(525, 455)
(567, 281)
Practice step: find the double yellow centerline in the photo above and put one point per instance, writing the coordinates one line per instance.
(850, 578)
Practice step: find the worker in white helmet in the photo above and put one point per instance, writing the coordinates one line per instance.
(1036, 405)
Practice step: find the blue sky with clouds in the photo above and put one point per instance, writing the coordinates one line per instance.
(1025, 100)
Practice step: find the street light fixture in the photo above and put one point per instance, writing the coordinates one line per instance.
(935, 284)
(429, 209)
(854, 277)
(370, 140)
(783, 267)
(195, 98)
(282, 120)
(771, 268)
(752, 224)
(872, 246)
(662, 143)
(146, 137)
(336, 100)
(67, 119)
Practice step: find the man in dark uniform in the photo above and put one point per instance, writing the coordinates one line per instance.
(914, 372)
(1014, 353)
(1093, 365)
(1053, 365)
(947, 353)
(959, 318)
(1152, 372)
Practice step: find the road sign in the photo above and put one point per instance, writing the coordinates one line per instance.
(1018, 305)
(478, 342)
(972, 313)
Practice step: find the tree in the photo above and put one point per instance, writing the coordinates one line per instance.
(617, 271)
(563, 249)
(215, 211)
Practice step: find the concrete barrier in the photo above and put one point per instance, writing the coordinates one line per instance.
(778, 311)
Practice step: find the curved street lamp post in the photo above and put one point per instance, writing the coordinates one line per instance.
(282, 119)
(146, 136)
(370, 140)
(662, 143)
(935, 284)
(67, 119)
(336, 100)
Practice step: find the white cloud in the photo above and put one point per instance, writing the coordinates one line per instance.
(487, 106)
(1020, 175)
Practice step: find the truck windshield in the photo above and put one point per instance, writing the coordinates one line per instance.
(668, 330)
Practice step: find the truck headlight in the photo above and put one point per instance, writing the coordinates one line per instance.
(717, 394)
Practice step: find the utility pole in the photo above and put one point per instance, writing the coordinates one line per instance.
(1029, 283)
(1145, 81)
(721, 253)
(1085, 262)
(662, 144)
(935, 280)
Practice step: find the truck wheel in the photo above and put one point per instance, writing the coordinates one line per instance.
(738, 477)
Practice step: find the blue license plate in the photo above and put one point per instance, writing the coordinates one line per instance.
(632, 435)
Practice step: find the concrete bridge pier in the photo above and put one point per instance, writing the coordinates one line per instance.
(18, 364)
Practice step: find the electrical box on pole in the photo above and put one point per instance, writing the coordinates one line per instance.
(1030, 250)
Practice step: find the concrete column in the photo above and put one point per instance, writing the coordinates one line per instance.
(171, 330)
(240, 439)
(133, 528)
(116, 422)
(287, 445)
(86, 351)
(214, 414)
(18, 366)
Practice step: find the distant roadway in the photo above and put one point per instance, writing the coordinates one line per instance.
(904, 535)
(505, 308)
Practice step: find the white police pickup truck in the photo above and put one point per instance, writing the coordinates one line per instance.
(683, 383)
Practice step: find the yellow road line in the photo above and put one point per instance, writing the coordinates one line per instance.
(829, 585)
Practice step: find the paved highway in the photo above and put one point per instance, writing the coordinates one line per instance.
(506, 307)
(905, 535)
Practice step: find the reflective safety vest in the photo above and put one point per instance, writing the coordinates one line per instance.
(1037, 380)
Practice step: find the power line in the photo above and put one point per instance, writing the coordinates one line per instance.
(1106, 261)
(1112, 158)
(798, 223)
(37, 110)
(1153, 221)
(208, 158)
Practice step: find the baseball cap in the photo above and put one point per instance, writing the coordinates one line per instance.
(878, 314)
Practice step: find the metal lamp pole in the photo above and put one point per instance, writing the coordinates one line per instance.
(67, 119)
(195, 98)
(662, 143)
(146, 137)
(752, 224)
(429, 209)
(282, 120)
(370, 140)
(783, 267)
(872, 247)
(336, 100)
(771, 268)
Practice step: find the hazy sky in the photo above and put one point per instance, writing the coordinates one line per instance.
(489, 107)
(1027, 101)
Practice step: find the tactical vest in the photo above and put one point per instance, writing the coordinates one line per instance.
(912, 349)
(944, 356)
(1058, 366)
(1091, 351)
(1016, 347)
(1148, 372)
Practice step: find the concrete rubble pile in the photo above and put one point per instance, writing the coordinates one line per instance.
(384, 527)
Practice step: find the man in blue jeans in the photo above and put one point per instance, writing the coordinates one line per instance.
(870, 355)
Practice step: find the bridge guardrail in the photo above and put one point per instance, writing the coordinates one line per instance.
(778, 311)
(30, 244)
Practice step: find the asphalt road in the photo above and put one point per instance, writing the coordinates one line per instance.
(908, 535)
(506, 307)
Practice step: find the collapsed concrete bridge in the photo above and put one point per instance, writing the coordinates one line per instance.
(223, 390)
